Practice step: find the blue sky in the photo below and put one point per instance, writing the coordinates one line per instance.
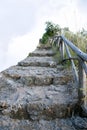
(22, 24)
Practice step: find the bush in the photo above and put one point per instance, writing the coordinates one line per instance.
(79, 38)
(51, 30)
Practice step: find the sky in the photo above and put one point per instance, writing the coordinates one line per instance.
(22, 23)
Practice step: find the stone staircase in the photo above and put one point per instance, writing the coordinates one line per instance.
(39, 94)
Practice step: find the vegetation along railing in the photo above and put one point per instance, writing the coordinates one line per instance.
(66, 48)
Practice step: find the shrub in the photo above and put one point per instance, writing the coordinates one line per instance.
(50, 31)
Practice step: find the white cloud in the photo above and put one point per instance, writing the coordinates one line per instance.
(19, 47)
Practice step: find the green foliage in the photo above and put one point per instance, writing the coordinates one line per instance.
(50, 31)
(79, 38)
(45, 38)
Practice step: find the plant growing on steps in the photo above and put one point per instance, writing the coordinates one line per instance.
(50, 31)
(79, 38)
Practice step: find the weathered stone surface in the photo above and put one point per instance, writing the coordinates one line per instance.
(38, 61)
(37, 75)
(7, 123)
(65, 77)
(35, 96)
(80, 123)
(44, 46)
(41, 102)
(42, 52)
(52, 105)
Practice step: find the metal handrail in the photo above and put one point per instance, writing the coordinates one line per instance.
(79, 73)
(80, 53)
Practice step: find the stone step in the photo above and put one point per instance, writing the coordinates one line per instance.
(34, 103)
(38, 61)
(44, 47)
(42, 52)
(38, 75)
(75, 123)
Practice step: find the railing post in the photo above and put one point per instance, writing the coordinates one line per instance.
(61, 44)
(82, 90)
(75, 74)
